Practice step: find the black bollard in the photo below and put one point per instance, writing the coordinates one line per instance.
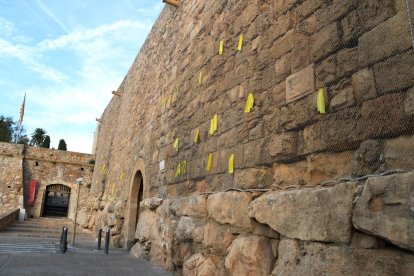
(107, 240)
(61, 240)
(65, 240)
(99, 239)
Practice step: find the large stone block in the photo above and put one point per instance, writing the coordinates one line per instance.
(200, 265)
(384, 116)
(398, 153)
(230, 208)
(217, 237)
(310, 258)
(409, 103)
(387, 39)
(325, 42)
(311, 214)
(146, 225)
(363, 83)
(252, 178)
(385, 209)
(195, 206)
(335, 131)
(295, 174)
(367, 15)
(300, 84)
(250, 255)
(284, 146)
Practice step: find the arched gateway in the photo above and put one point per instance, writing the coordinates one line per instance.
(56, 201)
(135, 196)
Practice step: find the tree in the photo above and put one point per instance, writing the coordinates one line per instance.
(38, 136)
(62, 145)
(6, 129)
(46, 142)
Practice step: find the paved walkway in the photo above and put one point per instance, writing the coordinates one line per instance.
(32, 248)
(75, 264)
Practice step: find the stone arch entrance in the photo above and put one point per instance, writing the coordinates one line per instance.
(56, 201)
(135, 196)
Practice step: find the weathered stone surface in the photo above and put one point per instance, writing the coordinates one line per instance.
(325, 41)
(343, 99)
(389, 38)
(218, 237)
(230, 208)
(395, 74)
(184, 229)
(385, 209)
(398, 153)
(284, 146)
(310, 258)
(318, 214)
(195, 206)
(137, 251)
(249, 255)
(360, 240)
(252, 178)
(200, 265)
(363, 83)
(377, 121)
(153, 202)
(409, 102)
(285, 175)
(367, 159)
(146, 225)
(300, 84)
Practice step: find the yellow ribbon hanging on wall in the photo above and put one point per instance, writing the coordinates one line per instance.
(211, 130)
(231, 163)
(321, 101)
(200, 78)
(121, 177)
(197, 136)
(240, 44)
(210, 162)
(221, 48)
(178, 171)
(176, 144)
(113, 188)
(184, 167)
(249, 103)
(213, 125)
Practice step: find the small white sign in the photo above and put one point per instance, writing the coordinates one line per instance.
(162, 165)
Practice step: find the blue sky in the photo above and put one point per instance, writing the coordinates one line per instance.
(68, 56)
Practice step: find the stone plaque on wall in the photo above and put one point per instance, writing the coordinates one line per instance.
(300, 84)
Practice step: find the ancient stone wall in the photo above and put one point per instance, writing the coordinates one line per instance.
(280, 209)
(11, 176)
(47, 166)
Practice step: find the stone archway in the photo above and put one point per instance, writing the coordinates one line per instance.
(56, 201)
(135, 196)
(42, 192)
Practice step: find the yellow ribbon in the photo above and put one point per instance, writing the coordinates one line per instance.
(321, 101)
(209, 162)
(184, 167)
(231, 163)
(163, 102)
(239, 46)
(176, 144)
(121, 177)
(178, 171)
(213, 125)
(200, 78)
(221, 48)
(249, 103)
(113, 188)
(197, 136)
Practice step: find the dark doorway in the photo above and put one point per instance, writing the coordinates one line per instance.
(56, 201)
(136, 197)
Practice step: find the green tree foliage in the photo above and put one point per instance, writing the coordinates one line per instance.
(6, 129)
(46, 142)
(62, 145)
(38, 136)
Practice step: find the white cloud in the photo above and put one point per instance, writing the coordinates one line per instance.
(6, 27)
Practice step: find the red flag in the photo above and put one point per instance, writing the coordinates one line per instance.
(32, 192)
(22, 111)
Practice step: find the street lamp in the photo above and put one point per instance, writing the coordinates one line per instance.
(79, 182)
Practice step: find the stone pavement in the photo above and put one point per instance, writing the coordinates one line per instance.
(75, 264)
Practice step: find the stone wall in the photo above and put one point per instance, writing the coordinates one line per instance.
(11, 176)
(19, 164)
(201, 219)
